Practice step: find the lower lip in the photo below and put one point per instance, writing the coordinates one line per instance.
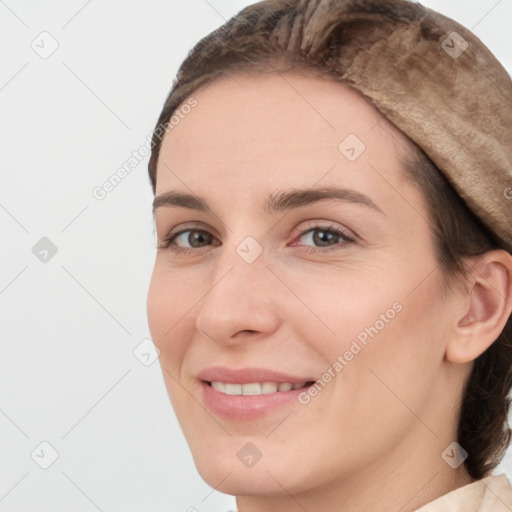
(246, 407)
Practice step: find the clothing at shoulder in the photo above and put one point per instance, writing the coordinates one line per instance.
(491, 494)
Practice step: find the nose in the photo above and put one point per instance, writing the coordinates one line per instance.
(242, 301)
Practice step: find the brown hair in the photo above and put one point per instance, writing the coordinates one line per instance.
(271, 33)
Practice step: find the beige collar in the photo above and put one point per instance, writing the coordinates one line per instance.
(491, 494)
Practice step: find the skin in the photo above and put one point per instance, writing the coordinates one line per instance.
(372, 439)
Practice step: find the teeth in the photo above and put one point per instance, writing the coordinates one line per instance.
(251, 389)
(219, 386)
(268, 387)
(233, 389)
(255, 388)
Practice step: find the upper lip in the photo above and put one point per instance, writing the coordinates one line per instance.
(248, 375)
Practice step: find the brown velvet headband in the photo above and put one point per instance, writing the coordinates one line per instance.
(430, 76)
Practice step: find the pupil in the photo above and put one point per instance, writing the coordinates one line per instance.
(196, 236)
(322, 237)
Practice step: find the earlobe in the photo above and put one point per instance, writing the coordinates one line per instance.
(487, 310)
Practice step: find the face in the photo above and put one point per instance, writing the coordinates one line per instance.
(306, 259)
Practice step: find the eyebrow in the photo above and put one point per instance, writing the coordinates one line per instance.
(282, 201)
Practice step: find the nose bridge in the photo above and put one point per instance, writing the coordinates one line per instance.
(241, 296)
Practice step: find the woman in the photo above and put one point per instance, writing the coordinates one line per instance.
(332, 291)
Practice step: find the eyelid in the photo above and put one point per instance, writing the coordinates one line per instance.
(327, 225)
(185, 226)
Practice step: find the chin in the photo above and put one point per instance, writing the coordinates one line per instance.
(222, 469)
(243, 481)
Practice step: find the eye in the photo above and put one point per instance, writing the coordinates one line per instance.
(325, 236)
(196, 238)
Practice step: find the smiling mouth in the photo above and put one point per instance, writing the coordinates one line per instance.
(256, 388)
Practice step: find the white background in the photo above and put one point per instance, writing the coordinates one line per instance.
(68, 327)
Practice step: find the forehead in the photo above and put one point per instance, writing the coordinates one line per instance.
(258, 127)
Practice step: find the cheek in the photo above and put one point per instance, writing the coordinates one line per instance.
(344, 306)
(157, 307)
(385, 340)
(168, 303)
(397, 370)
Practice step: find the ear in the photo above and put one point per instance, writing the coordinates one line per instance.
(487, 305)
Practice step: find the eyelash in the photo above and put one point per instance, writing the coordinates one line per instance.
(168, 242)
